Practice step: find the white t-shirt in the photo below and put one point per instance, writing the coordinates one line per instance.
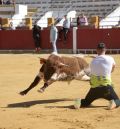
(102, 65)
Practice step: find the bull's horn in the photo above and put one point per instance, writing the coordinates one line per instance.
(62, 64)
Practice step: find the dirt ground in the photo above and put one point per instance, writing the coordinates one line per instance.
(52, 109)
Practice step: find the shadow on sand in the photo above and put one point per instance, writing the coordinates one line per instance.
(72, 107)
(32, 103)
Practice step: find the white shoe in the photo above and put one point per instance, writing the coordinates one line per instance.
(54, 53)
(77, 103)
(85, 78)
(112, 105)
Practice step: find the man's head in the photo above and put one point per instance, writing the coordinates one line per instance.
(101, 48)
(65, 16)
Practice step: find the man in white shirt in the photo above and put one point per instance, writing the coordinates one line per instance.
(53, 37)
(101, 83)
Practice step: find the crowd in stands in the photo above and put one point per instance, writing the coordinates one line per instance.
(7, 2)
(64, 28)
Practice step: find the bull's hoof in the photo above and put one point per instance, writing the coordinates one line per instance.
(41, 90)
(22, 93)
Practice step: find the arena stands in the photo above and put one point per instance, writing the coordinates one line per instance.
(12, 14)
(90, 7)
(38, 9)
(111, 20)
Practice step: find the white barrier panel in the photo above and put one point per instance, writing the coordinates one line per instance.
(20, 13)
(21, 9)
(75, 40)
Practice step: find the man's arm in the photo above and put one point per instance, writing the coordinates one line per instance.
(113, 67)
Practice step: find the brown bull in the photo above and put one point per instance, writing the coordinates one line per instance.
(57, 68)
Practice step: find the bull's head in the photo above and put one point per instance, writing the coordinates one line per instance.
(51, 67)
(48, 68)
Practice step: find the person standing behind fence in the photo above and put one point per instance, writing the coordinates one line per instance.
(13, 2)
(36, 36)
(78, 21)
(83, 21)
(53, 37)
(8, 2)
(11, 26)
(1, 2)
(65, 29)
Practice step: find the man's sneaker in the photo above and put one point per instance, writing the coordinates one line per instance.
(37, 49)
(112, 105)
(54, 53)
(77, 103)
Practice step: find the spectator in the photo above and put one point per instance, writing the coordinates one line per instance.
(0, 27)
(82, 20)
(13, 2)
(66, 27)
(1, 2)
(12, 26)
(53, 37)
(8, 2)
(36, 37)
(0, 23)
(78, 21)
(101, 83)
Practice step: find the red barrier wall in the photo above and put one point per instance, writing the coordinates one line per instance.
(16, 39)
(22, 39)
(89, 38)
(86, 39)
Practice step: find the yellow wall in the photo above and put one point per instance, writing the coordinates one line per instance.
(28, 22)
(5, 22)
(51, 21)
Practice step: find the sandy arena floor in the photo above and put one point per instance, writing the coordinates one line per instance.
(51, 109)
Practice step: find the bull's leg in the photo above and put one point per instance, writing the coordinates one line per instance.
(46, 84)
(33, 84)
(43, 88)
(53, 78)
